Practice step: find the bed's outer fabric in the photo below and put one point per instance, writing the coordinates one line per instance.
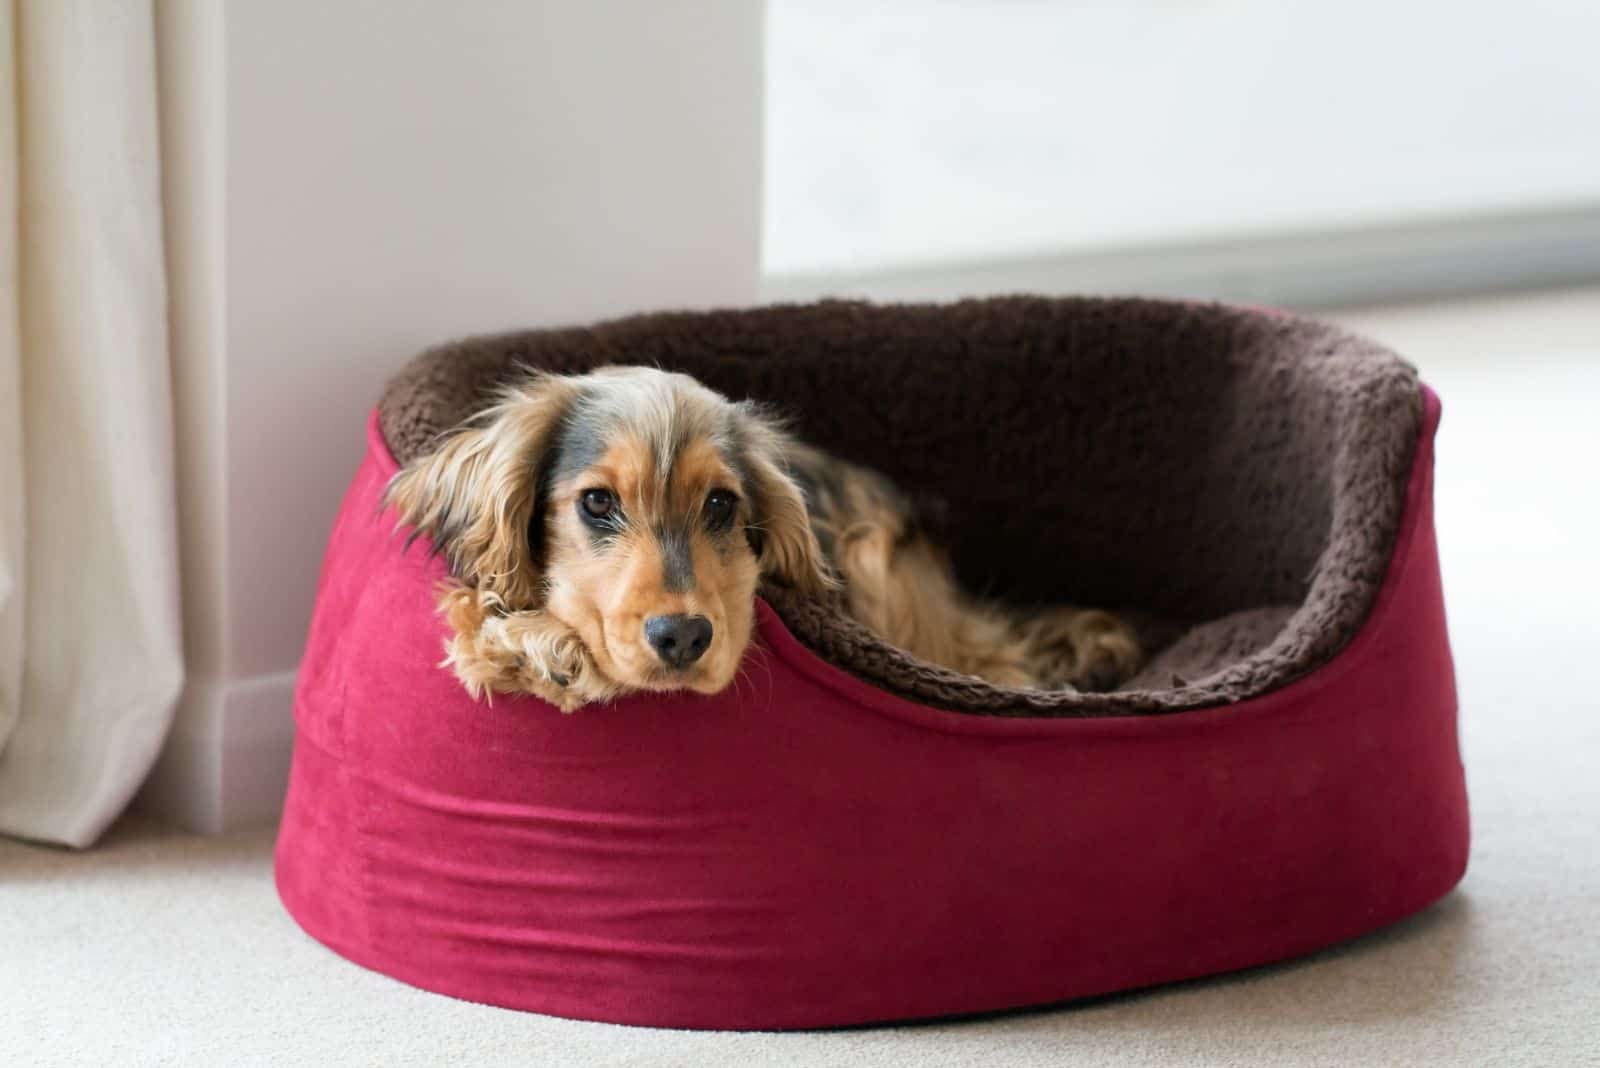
(809, 850)
(1221, 468)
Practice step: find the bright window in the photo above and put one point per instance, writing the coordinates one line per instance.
(909, 134)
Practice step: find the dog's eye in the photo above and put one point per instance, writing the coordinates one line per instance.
(719, 509)
(598, 503)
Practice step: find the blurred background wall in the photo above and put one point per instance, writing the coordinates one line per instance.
(349, 183)
(1297, 152)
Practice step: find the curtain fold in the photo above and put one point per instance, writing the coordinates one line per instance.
(11, 486)
(90, 631)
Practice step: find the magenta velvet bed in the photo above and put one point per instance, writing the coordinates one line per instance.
(817, 849)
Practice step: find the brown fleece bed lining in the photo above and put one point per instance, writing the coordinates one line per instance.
(1234, 480)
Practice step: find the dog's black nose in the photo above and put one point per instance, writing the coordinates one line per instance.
(678, 640)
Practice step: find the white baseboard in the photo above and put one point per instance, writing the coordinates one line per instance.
(1313, 269)
(226, 762)
(256, 745)
(183, 787)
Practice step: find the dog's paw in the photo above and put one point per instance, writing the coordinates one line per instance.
(556, 665)
(571, 684)
(1106, 654)
(552, 655)
(1082, 650)
(527, 653)
(563, 697)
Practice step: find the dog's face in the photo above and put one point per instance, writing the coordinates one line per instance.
(637, 507)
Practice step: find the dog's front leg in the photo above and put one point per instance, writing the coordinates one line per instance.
(555, 664)
(531, 652)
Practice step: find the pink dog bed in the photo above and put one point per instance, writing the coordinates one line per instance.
(852, 836)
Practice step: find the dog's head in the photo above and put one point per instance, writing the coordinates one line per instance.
(637, 507)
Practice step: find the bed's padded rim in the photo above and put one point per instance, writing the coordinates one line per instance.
(1289, 439)
(811, 851)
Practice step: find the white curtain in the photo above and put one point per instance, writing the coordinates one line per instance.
(90, 635)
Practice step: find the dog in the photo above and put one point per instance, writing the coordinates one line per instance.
(606, 533)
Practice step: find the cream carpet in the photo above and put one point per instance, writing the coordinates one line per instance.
(162, 948)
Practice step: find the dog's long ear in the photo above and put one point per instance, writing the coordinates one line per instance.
(785, 544)
(476, 496)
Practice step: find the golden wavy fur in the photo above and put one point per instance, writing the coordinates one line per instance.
(606, 533)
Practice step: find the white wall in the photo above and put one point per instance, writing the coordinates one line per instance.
(908, 134)
(394, 173)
